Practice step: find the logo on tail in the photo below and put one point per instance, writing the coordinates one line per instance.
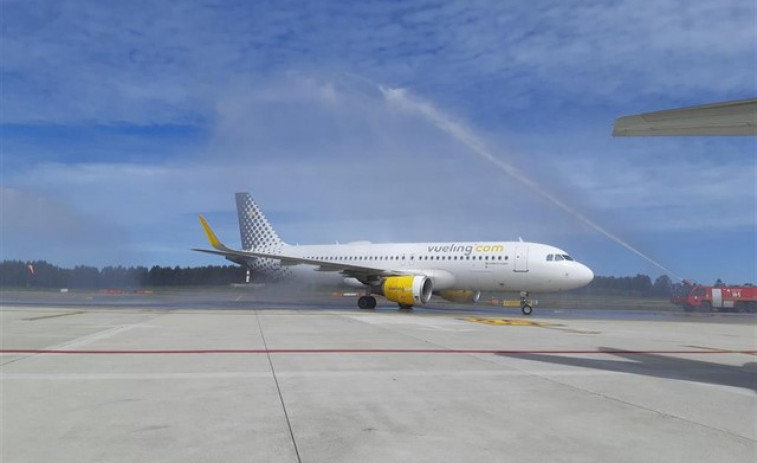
(254, 228)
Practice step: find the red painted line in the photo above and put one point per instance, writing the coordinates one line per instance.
(369, 351)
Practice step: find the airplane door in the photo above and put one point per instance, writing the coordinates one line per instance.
(521, 259)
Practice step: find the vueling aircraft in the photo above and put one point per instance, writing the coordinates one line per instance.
(405, 273)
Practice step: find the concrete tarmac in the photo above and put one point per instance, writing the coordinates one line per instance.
(97, 382)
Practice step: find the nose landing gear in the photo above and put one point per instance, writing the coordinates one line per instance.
(525, 307)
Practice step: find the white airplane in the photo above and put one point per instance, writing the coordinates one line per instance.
(405, 273)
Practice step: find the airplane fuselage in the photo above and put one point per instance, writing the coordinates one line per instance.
(482, 266)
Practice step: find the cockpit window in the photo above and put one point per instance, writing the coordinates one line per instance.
(558, 257)
(550, 257)
(567, 257)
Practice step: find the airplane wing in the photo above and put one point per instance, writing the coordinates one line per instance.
(351, 270)
(737, 117)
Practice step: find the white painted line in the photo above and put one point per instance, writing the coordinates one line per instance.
(86, 340)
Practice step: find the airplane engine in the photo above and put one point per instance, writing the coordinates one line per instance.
(460, 295)
(407, 290)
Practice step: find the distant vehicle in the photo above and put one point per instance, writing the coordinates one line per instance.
(723, 298)
(405, 273)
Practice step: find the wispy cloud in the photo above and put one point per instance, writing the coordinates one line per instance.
(143, 63)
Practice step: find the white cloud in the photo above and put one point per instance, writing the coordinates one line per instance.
(73, 61)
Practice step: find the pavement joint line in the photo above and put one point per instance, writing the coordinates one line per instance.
(370, 351)
(278, 389)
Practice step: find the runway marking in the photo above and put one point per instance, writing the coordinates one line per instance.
(507, 322)
(43, 317)
(368, 351)
(520, 322)
(84, 340)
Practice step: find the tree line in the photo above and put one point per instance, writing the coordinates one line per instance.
(40, 274)
(639, 285)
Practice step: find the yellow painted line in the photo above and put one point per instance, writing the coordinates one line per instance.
(507, 322)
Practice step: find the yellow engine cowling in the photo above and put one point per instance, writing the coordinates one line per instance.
(408, 289)
(460, 295)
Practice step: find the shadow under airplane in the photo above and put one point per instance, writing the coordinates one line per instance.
(659, 366)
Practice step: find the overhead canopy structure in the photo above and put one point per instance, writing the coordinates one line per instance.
(727, 118)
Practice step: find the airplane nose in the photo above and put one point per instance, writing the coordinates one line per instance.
(585, 275)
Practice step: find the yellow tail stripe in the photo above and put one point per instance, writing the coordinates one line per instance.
(214, 241)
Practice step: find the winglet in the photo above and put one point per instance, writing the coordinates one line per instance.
(214, 241)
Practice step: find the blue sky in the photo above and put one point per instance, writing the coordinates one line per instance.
(120, 122)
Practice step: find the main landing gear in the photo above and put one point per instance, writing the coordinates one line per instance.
(525, 307)
(366, 302)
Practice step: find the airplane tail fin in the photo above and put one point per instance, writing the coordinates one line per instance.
(254, 228)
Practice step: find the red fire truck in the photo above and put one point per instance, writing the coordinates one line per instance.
(722, 298)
